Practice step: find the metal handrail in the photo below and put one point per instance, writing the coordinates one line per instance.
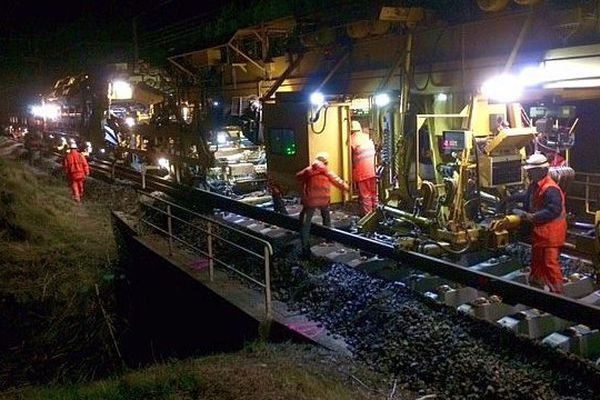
(590, 174)
(211, 236)
(587, 185)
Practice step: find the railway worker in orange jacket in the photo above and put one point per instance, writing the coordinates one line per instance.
(544, 205)
(363, 168)
(316, 180)
(77, 169)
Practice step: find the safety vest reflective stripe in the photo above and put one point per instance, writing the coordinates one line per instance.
(333, 177)
(363, 161)
(362, 154)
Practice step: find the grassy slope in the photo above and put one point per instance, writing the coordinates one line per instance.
(53, 231)
(260, 372)
(53, 254)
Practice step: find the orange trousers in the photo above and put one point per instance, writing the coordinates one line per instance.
(545, 268)
(367, 195)
(76, 188)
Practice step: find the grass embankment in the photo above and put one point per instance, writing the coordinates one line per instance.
(54, 257)
(56, 263)
(260, 372)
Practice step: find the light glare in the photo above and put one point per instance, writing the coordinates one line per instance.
(163, 163)
(503, 88)
(222, 138)
(130, 122)
(121, 90)
(49, 111)
(532, 76)
(317, 99)
(382, 99)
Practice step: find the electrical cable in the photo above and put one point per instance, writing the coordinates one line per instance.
(430, 70)
(312, 124)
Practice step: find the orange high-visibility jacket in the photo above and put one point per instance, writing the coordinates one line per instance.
(552, 233)
(363, 157)
(317, 180)
(75, 165)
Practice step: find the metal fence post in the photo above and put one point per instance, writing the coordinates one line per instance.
(143, 176)
(268, 307)
(170, 229)
(587, 194)
(141, 205)
(210, 253)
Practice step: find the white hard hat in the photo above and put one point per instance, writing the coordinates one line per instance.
(73, 145)
(536, 160)
(356, 127)
(322, 156)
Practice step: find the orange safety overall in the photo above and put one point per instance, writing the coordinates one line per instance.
(547, 239)
(363, 171)
(76, 168)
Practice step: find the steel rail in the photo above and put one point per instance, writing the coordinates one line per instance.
(510, 291)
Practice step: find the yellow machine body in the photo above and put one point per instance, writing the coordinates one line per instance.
(292, 141)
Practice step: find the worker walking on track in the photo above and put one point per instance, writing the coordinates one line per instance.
(77, 169)
(316, 180)
(544, 205)
(363, 168)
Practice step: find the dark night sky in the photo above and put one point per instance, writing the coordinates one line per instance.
(48, 17)
(41, 41)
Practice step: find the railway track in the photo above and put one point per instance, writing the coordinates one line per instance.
(435, 346)
(493, 289)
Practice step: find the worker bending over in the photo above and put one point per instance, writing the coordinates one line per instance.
(316, 182)
(544, 206)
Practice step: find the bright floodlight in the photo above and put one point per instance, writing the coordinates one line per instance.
(382, 99)
(222, 137)
(121, 90)
(442, 97)
(48, 111)
(164, 163)
(532, 75)
(130, 122)
(503, 88)
(317, 99)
